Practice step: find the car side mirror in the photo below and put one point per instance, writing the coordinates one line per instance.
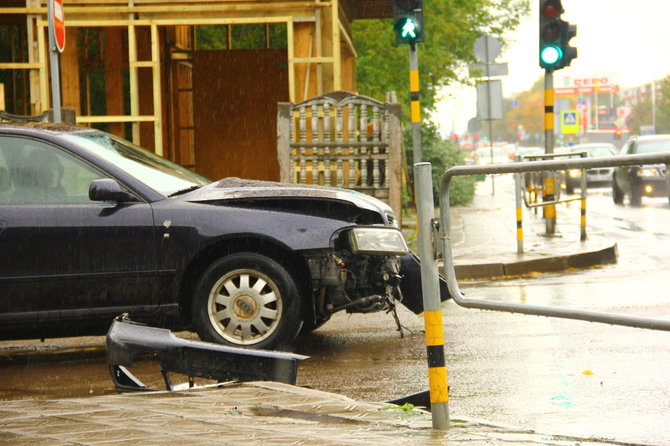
(107, 189)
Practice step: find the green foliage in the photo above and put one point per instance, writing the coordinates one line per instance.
(442, 155)
(451, 28)
(528, 113)
(407, 409)
(252, 36)
(211, 37)
(642, 111)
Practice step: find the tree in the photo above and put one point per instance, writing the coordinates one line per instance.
(663, 107)
(528, 113)
(441, 154)
(451, 28)
(642, 113)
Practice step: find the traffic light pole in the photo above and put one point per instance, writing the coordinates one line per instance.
(415, 106)
(549, 186)
(434, 337)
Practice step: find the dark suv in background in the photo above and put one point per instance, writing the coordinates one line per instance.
(639, 181)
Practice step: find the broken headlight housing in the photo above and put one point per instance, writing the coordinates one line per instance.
(379, 241)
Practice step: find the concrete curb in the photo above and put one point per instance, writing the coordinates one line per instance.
(544, 264)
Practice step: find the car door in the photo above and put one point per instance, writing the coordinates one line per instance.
(65, 257)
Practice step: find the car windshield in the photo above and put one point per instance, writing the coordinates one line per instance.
(596, 151)
(653, 146)
(158, 173)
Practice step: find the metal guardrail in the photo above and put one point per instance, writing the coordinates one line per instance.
(534, 166)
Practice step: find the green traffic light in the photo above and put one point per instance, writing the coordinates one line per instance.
(408, 30)
(551, 55)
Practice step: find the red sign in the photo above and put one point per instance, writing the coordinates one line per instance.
(58, 23)
(586, 90)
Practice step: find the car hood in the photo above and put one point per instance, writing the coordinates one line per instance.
(238, 189)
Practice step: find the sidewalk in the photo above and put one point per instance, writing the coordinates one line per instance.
(484, 238)
(251, 413)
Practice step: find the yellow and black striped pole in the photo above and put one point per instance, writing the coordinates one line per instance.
(518, 179)
(415, 105)
(582, 208)
(430, 288)
(548, 189)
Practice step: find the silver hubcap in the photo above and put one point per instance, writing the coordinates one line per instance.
(245, 307)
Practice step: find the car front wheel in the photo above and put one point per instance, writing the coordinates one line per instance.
(617, 194)
(247, 300)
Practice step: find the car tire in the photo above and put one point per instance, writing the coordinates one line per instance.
(635, 196)
(617, 194)
(247, 300)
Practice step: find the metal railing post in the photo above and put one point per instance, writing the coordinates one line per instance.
(430, 286)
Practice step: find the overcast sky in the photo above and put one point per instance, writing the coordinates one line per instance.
(630, 39)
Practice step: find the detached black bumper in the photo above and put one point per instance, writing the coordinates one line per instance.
(128, 341)
(410, 286)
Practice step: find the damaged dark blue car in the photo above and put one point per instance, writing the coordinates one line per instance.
(92, 226)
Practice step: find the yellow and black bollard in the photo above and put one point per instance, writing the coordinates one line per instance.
(430, 287)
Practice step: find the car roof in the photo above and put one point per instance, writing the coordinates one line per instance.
(592, 144)
(652, 137)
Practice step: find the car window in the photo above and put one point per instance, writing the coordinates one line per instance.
(653, 146)
(39, 173)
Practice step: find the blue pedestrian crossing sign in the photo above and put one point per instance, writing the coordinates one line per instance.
(569, 122)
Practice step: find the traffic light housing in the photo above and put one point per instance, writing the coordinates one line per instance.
(555, 35)
(408, 24)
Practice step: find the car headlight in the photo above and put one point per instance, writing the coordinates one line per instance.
(574, 173)
(648, 172)
(385, 241)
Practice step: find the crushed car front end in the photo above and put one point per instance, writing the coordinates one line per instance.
(356, 256)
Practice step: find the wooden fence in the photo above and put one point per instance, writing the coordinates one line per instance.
(344, 140)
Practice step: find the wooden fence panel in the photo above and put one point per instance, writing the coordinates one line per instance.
(344, 140)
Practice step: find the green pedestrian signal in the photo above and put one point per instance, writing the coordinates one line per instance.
(408, 30)
(408, 25)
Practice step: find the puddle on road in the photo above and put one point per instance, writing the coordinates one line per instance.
(75, 379)
(55, 380)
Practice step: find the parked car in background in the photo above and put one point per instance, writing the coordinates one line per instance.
(598, 177)
(92, 226)
(491, 155)
(639, 181)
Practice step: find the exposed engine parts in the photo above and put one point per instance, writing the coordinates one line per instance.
(354, 283)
